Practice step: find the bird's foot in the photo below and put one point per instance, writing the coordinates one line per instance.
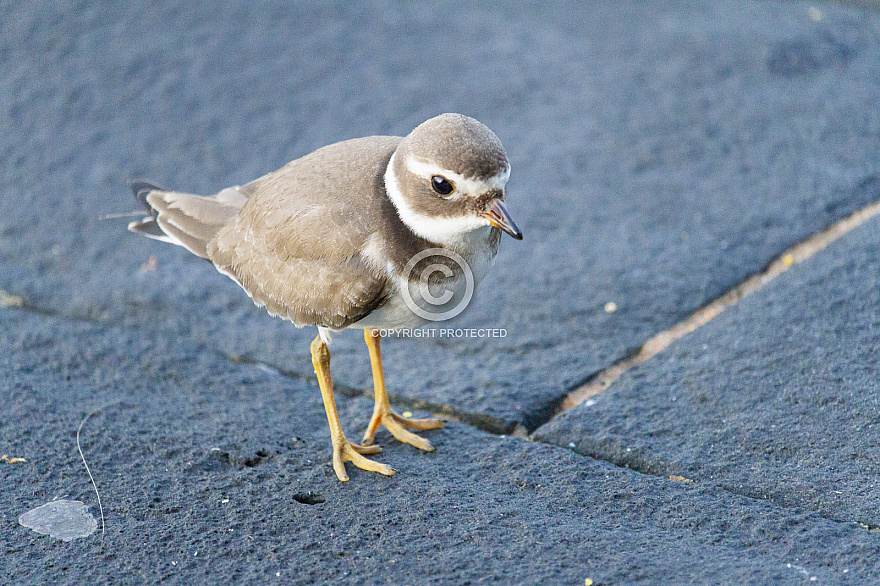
(398, 426)
(345, 451)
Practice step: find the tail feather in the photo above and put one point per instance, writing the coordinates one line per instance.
(184, 219)
(141, 189)
(149, 228)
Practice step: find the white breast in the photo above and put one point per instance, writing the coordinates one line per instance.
(477, 253)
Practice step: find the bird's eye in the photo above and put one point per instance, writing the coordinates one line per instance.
(442, 185)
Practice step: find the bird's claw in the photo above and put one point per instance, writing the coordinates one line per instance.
(399, 426)
(345, 451)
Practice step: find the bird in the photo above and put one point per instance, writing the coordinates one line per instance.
(329, 239)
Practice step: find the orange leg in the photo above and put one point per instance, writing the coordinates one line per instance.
(343, 450)
(382, 413)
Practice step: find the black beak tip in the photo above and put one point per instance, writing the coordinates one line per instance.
(517, 235)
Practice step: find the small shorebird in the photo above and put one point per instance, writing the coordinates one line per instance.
(328, 239)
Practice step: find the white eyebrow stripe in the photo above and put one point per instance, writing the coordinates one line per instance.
(467, 185)
(448, 231)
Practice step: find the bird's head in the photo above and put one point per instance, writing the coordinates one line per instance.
(447, 179)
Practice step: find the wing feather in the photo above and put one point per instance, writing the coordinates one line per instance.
(296, 244)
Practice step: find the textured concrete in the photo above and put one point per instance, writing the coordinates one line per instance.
(661, 152)
(216, 472)
(777, 398)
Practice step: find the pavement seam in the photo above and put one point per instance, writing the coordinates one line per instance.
(604, 378)
(601, 380)
(720, 486)
(479, 421)
(499, 427)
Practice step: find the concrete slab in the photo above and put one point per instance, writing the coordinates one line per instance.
(211, 471)
(662, 151)
(777, 398)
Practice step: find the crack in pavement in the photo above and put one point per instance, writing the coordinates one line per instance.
(601, 380)
(634, 467)
(498, 427)
(478, 421)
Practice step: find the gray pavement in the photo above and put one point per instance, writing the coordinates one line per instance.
(662, 152)
(777, 398)
(202, 468)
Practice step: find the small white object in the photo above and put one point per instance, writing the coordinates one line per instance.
(62, 519)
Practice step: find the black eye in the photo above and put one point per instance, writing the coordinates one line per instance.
(442, 185)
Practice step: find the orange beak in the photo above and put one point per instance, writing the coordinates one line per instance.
(499, 217)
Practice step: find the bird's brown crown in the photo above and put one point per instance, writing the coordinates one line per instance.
(458, 143)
